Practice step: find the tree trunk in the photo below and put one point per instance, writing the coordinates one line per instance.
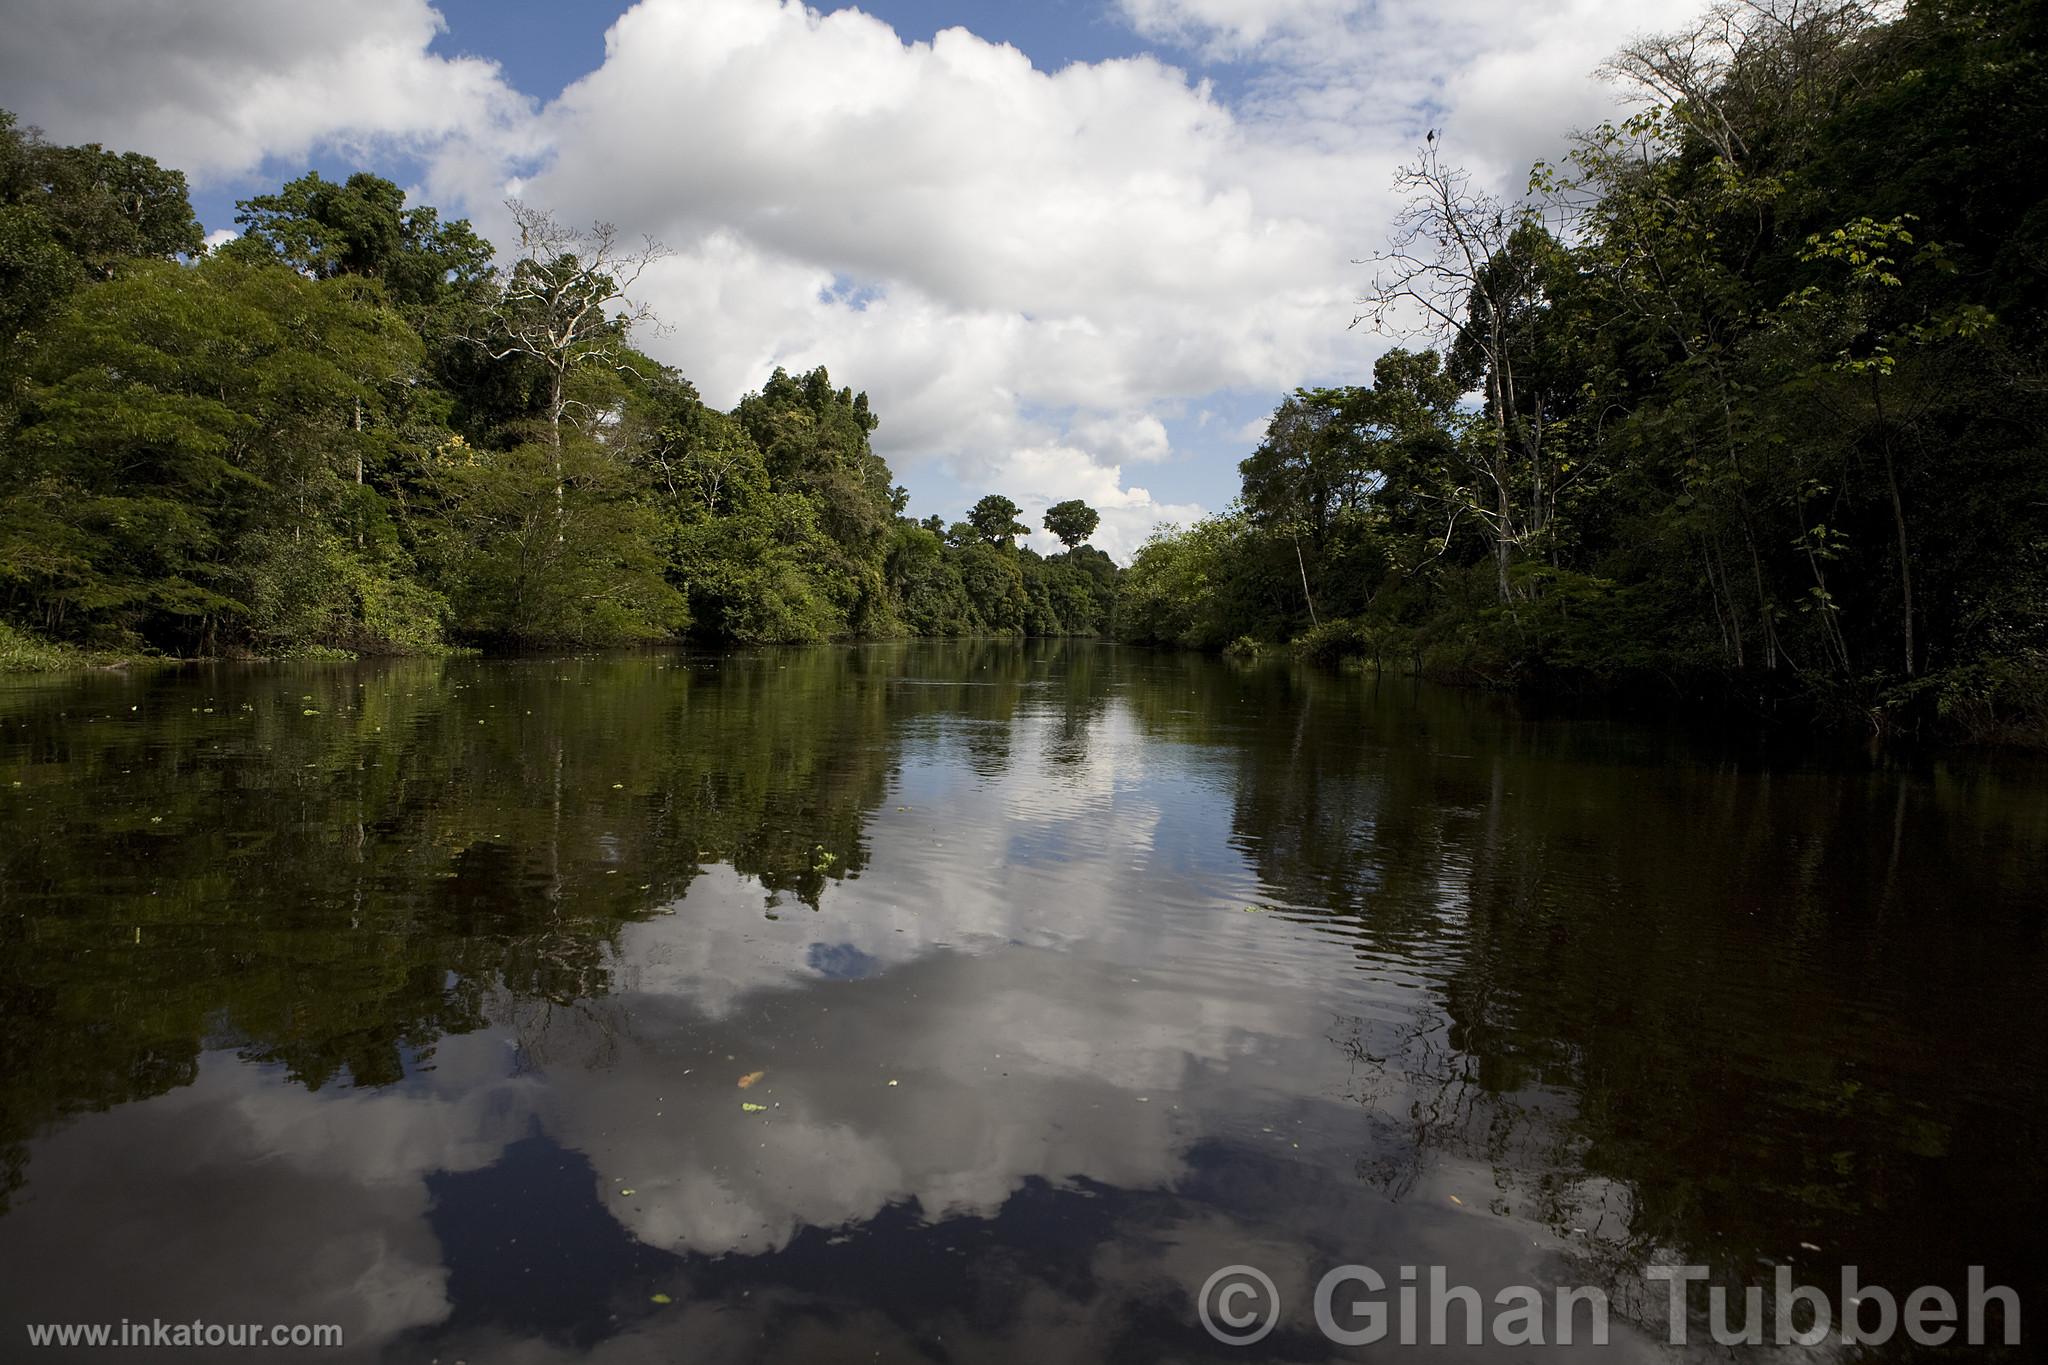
(555, 440)
(1891, 479)
(359, 459)
(1302, 564)
(1500, 545)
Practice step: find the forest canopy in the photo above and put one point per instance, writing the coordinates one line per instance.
(1743, 398)
(353, 428)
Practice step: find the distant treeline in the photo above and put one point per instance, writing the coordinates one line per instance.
(348, 430)
(1745, 399)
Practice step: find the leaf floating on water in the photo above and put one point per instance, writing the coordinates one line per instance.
(660, 1298)
(1255, 909)
(618, 786)
(750, 1107)
(892, 1082)
(309, 711)
(747, 1081)
(1459, 1202)
(625, 1192)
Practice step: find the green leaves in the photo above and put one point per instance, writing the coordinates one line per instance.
(185, 425)
(994, 519)
(1073, 521)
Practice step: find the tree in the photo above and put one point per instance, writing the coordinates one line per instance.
(1073, 521)
(815, 439)
(101, 207)
(551, 309)
(179, 476)
(363, 228)
(1201, 586)
(1748, 77)
(530, 570)
(1468, 270)
(994, 519)
(1294, 480)
(994, 584)
(344, 429)
(931, 598)
(69, 215)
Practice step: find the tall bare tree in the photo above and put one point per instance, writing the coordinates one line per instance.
(1452, 272)
(566, 301)
(1747, 63)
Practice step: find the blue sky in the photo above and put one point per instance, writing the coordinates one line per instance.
(544, 46)
(1069, 247)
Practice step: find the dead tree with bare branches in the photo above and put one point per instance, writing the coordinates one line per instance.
(1457, 271)
(1745, 64)
(566, 301)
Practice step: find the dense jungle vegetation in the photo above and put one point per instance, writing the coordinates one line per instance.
(349, 430)
(1746, 399)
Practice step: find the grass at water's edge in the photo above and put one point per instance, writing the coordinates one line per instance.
(21, 652)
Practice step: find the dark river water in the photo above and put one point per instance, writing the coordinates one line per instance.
(978, 1002)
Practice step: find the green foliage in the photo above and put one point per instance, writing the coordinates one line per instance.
(1767, 425)
(21, 652)
(343, 433)
(813, 441)
(996, 599)
(318, 589)
(994, 519)
(1204, 586)
(931, 597)
(100, 207)
(69, 215)
(1245, 649)
(180, 424)
(1333, 642)
(527, 568)
(362, 228)
(1073, 521)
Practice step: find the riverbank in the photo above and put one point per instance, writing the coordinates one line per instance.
(22, 653)
(1953, 711)
(1342, 647)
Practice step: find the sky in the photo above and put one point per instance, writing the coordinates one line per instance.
(1070, 248)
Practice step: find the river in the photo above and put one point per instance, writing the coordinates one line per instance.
(980, 1001)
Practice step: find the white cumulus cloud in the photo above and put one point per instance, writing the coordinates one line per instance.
(1031, 272)
(216, 88)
